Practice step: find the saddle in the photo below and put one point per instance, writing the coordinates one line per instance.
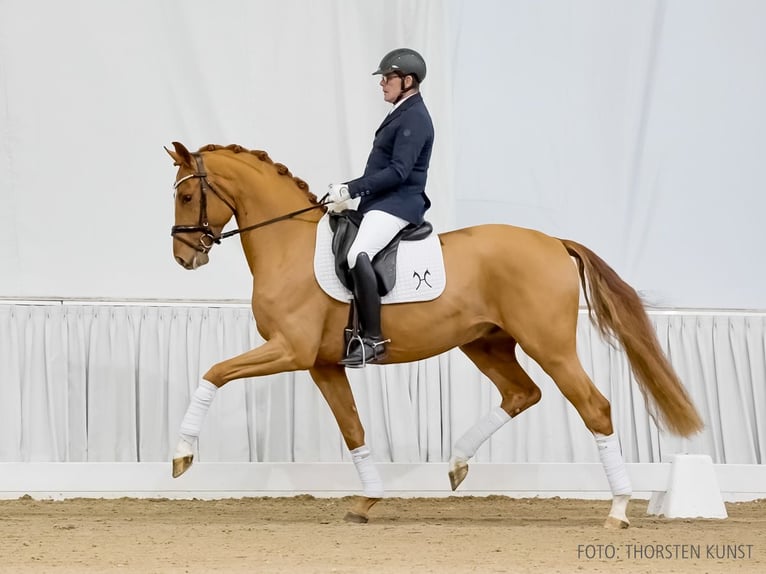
(345, 226)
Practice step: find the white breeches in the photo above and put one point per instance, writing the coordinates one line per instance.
(377, 229)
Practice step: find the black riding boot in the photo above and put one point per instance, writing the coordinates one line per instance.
(373, 347)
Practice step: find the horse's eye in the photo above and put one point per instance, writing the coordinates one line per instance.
(186, 198)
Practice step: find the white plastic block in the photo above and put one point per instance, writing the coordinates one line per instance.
(692, 491)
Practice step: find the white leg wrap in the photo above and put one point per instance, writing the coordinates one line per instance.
(195, 414)
(614, 466)
(372, 484)
(469, 443)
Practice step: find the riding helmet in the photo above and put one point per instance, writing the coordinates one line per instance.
(405, 61)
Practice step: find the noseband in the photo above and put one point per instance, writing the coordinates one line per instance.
(207, 237)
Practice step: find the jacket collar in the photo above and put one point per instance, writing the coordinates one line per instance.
(406, 104)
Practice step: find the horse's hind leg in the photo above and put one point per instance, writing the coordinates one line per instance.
(595, 411)
(333, 384)
(495, 356)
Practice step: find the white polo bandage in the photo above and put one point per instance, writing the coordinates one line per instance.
(372, 484)
(198, 407)
(469, 443)
(614, 466)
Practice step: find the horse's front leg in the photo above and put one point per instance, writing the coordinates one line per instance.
(333, 384)
(274, 356)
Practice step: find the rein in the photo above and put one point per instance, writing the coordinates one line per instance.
(208, 238)
(269, 222)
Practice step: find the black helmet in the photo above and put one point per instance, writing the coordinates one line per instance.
(404, 61)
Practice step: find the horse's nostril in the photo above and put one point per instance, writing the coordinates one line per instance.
(183, 263)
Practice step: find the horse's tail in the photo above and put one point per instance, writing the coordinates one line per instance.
(617, 310)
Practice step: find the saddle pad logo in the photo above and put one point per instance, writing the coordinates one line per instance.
(423, 279)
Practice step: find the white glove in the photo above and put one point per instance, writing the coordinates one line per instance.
(338, 193)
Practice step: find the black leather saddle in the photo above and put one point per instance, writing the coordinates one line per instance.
(345, 226)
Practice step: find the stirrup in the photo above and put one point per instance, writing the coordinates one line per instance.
(378, 352)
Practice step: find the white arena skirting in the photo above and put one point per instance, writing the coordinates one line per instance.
(208, 481)
(100, 383)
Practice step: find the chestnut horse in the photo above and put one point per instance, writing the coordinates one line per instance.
(506, 286)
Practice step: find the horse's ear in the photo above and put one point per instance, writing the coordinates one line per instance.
(181, 155)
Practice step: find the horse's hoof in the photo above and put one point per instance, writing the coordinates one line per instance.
(355, 518)
(614, 523)
(182, 464)
(359, 513)
(457, 472)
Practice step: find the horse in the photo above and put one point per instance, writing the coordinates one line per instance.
(507, 287)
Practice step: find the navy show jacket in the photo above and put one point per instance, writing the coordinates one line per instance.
(394, 179)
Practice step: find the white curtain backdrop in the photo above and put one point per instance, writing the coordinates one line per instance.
(633, 127)
(111, 383)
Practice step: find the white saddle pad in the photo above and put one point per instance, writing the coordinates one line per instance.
(419, 269)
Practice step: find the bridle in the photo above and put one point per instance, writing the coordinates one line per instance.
(208, 238)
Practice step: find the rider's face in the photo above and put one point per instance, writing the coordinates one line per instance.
(393, 86)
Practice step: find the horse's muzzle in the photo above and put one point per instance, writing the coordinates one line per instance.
(198, 260)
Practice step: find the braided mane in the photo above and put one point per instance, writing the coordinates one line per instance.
(264, 157)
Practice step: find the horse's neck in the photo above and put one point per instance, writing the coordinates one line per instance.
(281, 246)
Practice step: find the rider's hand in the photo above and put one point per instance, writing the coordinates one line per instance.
(338, 193)
(339, 197)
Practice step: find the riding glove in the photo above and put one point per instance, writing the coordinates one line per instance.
(338, 193)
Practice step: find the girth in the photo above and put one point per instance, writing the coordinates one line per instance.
(345, 226)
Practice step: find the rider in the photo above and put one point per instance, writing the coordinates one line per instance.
(391, 191)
